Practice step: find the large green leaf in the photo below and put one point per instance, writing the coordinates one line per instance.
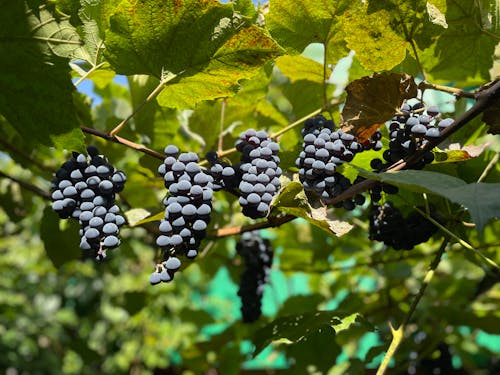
(466, 48)
(34, 77)
(480, 199)
(297, 327)
(301, 68)
(296, 24)
(292, 200)
(209, 44)
(239, 58)
(377, 46)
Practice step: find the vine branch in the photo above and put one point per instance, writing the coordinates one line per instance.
(398, 334)
(450, 90)
(27, 186)
(123, 141)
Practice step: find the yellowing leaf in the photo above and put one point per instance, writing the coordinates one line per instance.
(371, 36)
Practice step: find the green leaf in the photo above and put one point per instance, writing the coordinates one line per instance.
(208, 44)
(465, 49)
(61, 246)
(480, 199)
(301, 68)
(297, 327)
(239, 58)
(373, 100)
(35, 78)
(91, 32)
(292, 200)
(135, 216)
(377, 46)
(287, 19)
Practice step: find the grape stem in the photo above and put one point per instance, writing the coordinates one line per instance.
(123, 141)
(398, 334)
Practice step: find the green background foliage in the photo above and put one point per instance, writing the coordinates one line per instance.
(197, 73)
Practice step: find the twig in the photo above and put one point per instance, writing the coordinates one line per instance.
(295, 123)
(123, 141)
(462, 242)
(27, 186)
(22, 154)
(150, 97)
(269, 223)
(488, 168)
(398, 334)
(450, 90)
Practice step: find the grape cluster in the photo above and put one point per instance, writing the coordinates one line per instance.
(85, 189)
(187, 207)
(323, 150)
(225, 176)
(388, 225)
(260, 180)
(409, 130)
(258, 257)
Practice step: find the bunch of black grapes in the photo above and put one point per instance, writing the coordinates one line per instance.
(409, 130)
(84, 188)
(187, 210)
(324, 149)
(388, 225)
(260, 172)
(257, 255)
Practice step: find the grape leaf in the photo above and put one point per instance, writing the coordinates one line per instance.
(377, 46)
(480, 199)
(91, 32)
(292, 200)
(34, 77)
(239, 58)
(296, 327)
(286, 20)
(301, 68)
(210, 45)
(373, 100)
(61, 246)
(449, 60)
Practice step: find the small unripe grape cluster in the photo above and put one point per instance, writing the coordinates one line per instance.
(260, 171)
(257, 255)
(388, 225)
(85, 190)
(409, 130)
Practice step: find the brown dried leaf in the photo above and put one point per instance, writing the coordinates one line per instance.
(374, 99)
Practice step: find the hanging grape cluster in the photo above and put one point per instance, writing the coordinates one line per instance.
(257, 255)
(260, 171)
(84, 188)
(388, 225)
(409, 130)
(187, 207)
(324, 149)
